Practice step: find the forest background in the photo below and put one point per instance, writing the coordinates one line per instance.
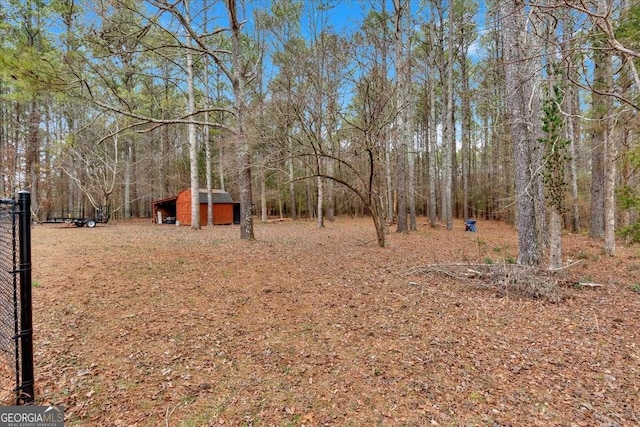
(522, 112)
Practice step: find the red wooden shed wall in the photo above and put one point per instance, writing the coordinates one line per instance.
(222, 212)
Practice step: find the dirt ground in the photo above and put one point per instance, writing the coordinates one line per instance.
(139, 324)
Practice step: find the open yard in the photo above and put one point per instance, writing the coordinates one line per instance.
(139, 324)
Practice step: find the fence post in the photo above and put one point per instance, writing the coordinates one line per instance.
(26, 392)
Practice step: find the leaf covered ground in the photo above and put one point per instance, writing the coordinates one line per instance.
(139, 324)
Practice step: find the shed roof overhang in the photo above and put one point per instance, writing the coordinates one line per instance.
(168, 200)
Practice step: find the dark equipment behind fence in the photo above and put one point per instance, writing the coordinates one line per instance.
(16, 333)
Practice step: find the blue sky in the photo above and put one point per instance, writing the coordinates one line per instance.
(346, 16)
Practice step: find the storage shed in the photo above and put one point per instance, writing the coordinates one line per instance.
(164, 211)
(178, 209)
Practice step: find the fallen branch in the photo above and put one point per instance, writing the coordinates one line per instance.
(565, 266)
(169, 412)
(515, 279)
(590, 285)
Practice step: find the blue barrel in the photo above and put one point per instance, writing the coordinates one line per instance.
(470, 225)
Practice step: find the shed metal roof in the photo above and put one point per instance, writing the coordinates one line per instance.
(167, 200)
(219, 196)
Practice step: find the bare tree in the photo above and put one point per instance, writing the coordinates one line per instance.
(449, 137)
(193, 141)
(239, 77)
(403, 128)
(93, 168)
(599, 132)
(602, 15)
(571, 106)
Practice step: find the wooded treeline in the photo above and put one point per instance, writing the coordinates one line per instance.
(500, 110)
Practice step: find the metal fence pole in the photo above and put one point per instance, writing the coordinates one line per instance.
(26, 392)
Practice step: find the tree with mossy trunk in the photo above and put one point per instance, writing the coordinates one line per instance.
(556, 158)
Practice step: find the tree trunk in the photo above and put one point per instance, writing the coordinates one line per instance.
(600, 111)
(519, 91)
(246, 196)
(207, 143)
(193, 146)
(626, 174)
(610, 196)
(244, 156)
(400, 9)
(331, 209)
(388, 177)
(555, 239)
(466, 132)
(320, 218)
(374, 200)
(409, 129)
(572, 107)
(609, 164)
(32, 154)
(413, 226)
(221, 147)
(449, 143)
(127, 178)
(292, 187)
(310, 206)
(574, 137)
(433, 136)
(263, 196)
(596, 222)
(536, 51)
(378, 221)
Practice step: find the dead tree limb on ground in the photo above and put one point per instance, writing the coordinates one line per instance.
(507, 279)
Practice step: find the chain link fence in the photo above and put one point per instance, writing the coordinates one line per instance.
(16, 335)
